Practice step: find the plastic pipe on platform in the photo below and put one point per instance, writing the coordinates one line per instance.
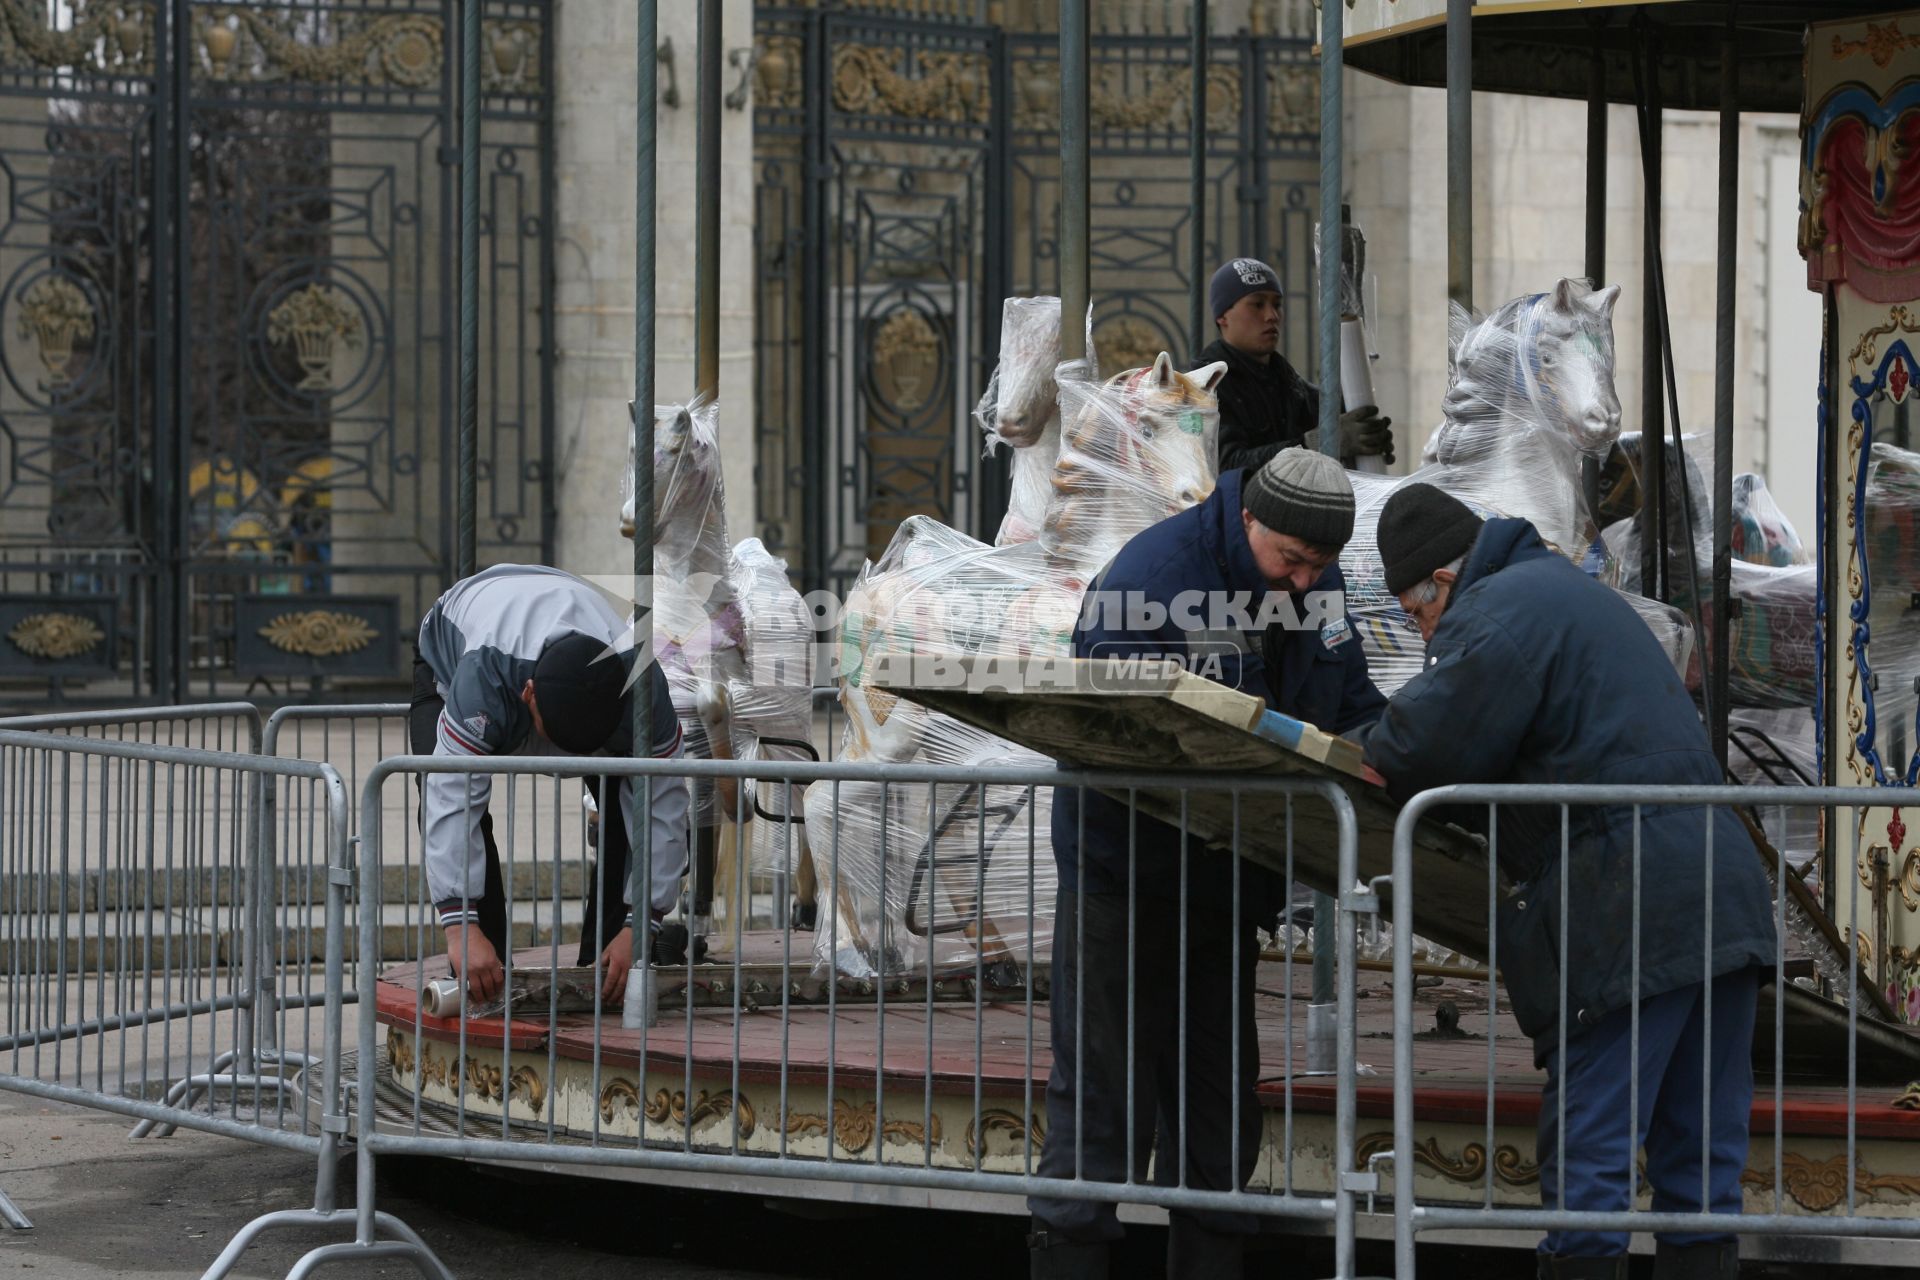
(1723, 390)
(1197, 274)
(466, 560)
(1075, 286)
(706, 204)
(1459, 151)
(634, 1012)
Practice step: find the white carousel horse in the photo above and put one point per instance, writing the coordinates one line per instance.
(1140, 448)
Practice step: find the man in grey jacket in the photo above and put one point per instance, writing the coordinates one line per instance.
(528, 660)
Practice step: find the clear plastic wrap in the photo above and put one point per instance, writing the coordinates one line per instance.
(1776, 748)
(698, 629)
(771, 700)
(1135, 449)
(900, 866)
(1762, 534)
(1531, 396)
(1021, 409)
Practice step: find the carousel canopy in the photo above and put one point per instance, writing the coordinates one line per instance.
(1543, 47)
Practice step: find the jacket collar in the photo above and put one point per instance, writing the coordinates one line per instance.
(1502, 542)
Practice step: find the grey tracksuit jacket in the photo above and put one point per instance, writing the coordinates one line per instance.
(481, 640)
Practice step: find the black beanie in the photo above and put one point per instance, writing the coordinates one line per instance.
(1304, 494)
(1422, 529)
(578, 683)
(1235, 280)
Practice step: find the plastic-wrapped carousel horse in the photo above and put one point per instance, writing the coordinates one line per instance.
(1137, 448)
(733, 637)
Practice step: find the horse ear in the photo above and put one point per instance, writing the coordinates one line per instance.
(1601, 301)
(1567, 294)
(1208, 376)
(1162, 370)
(1460, 322)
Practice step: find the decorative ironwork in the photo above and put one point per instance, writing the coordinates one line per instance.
(318, 633)
(869, 80)
(315, 320)
(895, 208)
(1126, 342)
(109, 37)
(54, 313)
(854, 1127)
(56, 635)
(404, 50)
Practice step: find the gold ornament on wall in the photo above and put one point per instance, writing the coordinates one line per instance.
(54, 314)
(317, 322)
(1126, 342)
(109, 37)
(402, 50)
(1882, 44)
(318, 633)
(1820, 1185)
(951, 87)
(908, 350)
(55, 635)
(1470, 1166)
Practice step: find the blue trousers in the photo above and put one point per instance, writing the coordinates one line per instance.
(1675, 1117)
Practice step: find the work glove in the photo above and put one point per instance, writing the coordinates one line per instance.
(1364, 432)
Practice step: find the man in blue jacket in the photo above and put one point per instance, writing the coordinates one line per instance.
(1538, 674)
(1266, 543)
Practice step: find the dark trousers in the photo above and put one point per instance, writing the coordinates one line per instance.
(1674, 1114)
(1087, 1092)
(607, 875)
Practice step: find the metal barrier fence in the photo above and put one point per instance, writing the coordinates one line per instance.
(130, 900)
(1595, 837)
(204, 726)
(909, 1075)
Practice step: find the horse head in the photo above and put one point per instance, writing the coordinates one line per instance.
(1142, 446)
(1539, 364)
(1026, 396)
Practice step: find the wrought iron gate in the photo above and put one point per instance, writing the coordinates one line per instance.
(909, 181)
(226, 314)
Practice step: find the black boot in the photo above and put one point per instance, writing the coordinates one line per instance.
(1718, 1261)
(1052, 1256)
(1555, 1268)
(1194, 1253)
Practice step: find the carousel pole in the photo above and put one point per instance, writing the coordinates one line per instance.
(1197, 182)
(1459, 152)
(1728, 250)
(467, 447)
(1596, 255)
(706, 205)
(1653, 455)
(638, 1010)
(1075, 287)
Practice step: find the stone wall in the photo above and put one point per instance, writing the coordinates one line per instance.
(595, 129)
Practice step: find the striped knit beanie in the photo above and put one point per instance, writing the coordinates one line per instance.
(1302, 493)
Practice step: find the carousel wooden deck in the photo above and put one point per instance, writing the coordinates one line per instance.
(941, 1082)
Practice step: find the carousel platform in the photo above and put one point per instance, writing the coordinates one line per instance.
(900, 1075)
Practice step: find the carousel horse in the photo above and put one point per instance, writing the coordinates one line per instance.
(1021, 409)
(1139, 448)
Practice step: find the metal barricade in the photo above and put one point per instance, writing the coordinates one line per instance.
(290, 930)
(130, 894)
(1454, 1172)
(779, 1057)
(205, 726)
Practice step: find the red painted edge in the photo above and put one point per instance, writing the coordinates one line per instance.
(398, 1006)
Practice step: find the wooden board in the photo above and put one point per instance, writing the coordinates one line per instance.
(1179, 723)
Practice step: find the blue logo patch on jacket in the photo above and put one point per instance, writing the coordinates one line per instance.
(1336, 633)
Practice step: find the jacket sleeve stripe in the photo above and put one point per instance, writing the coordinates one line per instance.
(464, 741)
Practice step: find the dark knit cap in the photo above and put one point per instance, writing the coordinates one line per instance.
(578, 685)
(1236, 280)
(1422, 529)
(1304, 494)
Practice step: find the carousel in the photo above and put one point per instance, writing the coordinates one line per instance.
(886, 1000)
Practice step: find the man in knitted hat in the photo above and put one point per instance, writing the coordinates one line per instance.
(1536, 673)
(1265, 406)
(527, 660)
(1245, 588)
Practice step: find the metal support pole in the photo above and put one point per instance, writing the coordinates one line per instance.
(1596, 257)
(1332, 64)
(1459, 153)
(1197, 182)
(706, 205)
(1653, 458)
(1075, 286)
(647, 91)
(1723, 389)
(466, 559)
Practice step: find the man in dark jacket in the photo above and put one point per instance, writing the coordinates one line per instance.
(1272, 539)
(1538, 674)
(1265, 406)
